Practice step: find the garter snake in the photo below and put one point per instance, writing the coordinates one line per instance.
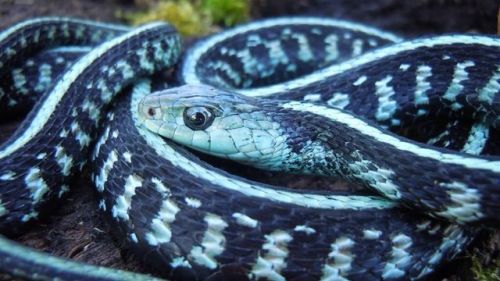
(186, 218)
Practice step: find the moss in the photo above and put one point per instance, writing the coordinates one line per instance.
(182, 14)
(486, 273)
(227, 12)
(193, 17)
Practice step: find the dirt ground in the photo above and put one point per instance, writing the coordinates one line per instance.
(75, 230)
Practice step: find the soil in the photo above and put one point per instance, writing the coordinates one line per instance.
(76, 230)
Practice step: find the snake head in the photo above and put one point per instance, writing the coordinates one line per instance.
(213, 121)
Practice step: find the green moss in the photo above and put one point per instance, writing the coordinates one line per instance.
(227, 12)
(483, 273)
(192, 17)
(182, 14)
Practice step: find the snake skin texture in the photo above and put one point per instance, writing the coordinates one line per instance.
(30, 37)
(250, 228)
(34, 77)
(49, 148)
(346, 90)
(305, 138)
(447, 76)
(185, 218)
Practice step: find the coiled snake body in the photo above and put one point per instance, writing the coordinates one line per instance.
(190, 220)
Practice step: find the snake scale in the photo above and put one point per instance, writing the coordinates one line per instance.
(90, 86)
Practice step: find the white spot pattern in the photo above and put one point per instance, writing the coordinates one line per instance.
(19, 81)
(212, 243)
(357, 47)
(400, 258)
(37, 187)
(245, 220)
(133, 238)
(63, 133)
(159, 186)
(192, 202)
(488, 92)
(41, 156)
(338, 100)
(124, 201)
(101, 179)
(127, 156)
(160, 225)
(270, 265)
(8, 176)
(460, 74)
(44, 77)
(465, 204)
(360, 80)
(386, 105)
(404, 67)
(304, 228)
(478, 136)
(102, 205)
(64, 160)
(339, 260)
(312, 97)
(331, 49)
(423, 72)
(82, 137)
(371, 234)
(189, 73)
(180, 262)
(36, 184)
(92, 109)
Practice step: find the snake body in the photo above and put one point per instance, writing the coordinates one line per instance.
(187, 219)
(36, 167)
(445, 76)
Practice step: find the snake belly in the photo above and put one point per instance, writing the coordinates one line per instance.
(187, 219)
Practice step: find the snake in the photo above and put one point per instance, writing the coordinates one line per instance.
(189, 220)
(300, 137)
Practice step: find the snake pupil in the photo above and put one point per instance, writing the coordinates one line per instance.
(198, 118)
(151, 112)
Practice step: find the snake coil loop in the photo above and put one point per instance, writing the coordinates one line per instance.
(190, 220)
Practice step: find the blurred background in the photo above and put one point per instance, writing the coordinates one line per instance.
(198, 17)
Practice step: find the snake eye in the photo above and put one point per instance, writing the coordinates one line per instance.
(198, 118)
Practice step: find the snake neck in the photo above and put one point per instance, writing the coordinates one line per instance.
(281, 141)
